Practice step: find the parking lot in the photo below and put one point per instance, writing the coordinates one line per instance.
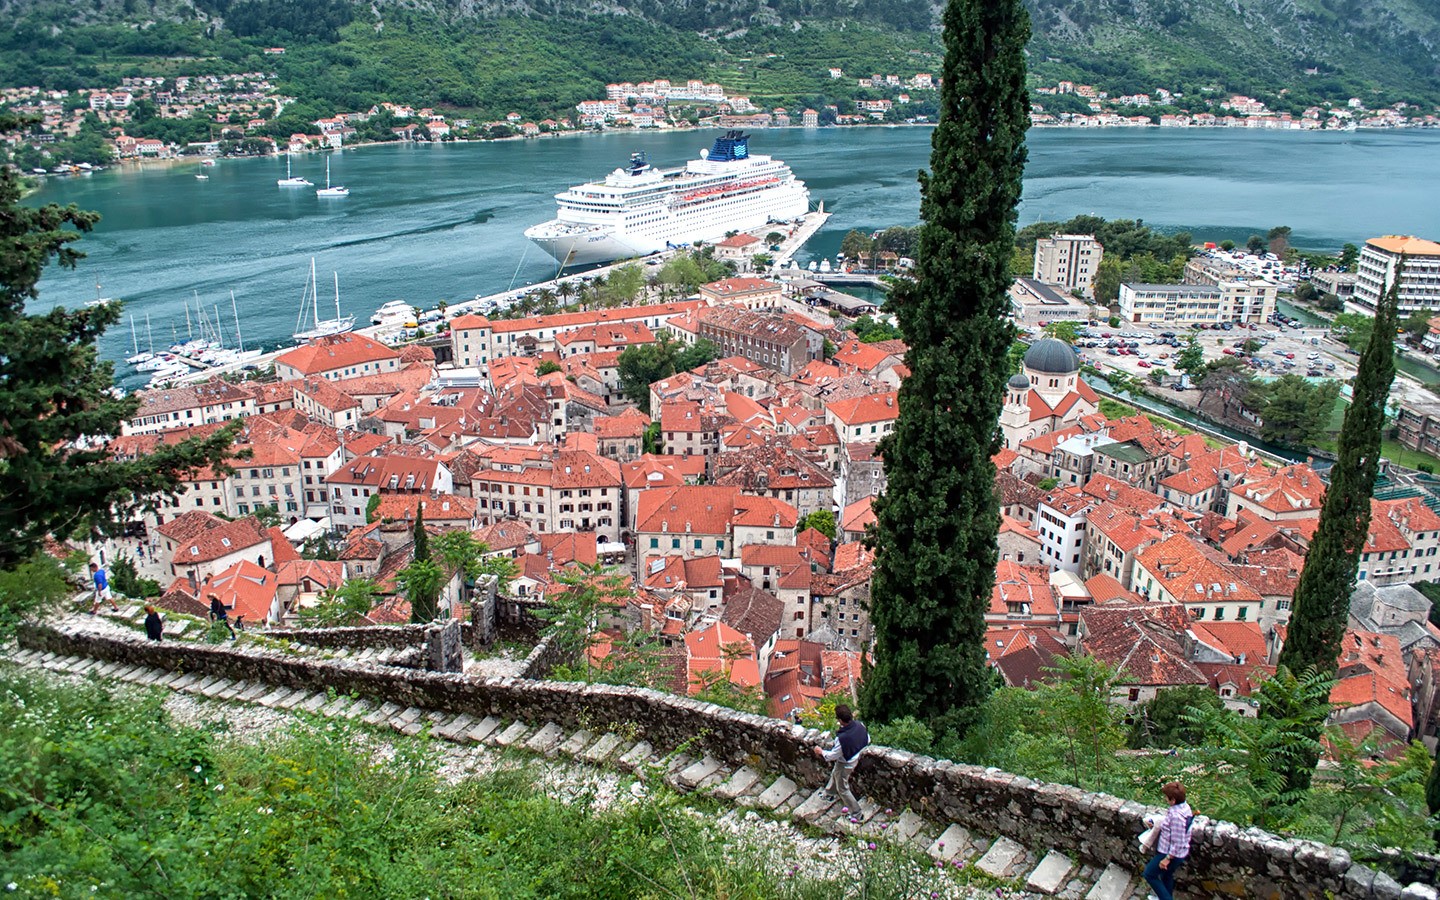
(1276, 350)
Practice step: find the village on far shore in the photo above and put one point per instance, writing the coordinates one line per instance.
(240, 108)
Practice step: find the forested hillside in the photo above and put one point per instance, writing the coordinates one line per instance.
(541, 56)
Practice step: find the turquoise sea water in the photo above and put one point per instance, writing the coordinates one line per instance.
(425, 223)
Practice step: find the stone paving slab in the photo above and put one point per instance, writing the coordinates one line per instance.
(1051, 876)
(382, 713)
(511, 735)
(576, 742)
(546, 739)
(1113, 884)
(740, 781)
(952, 842)
(780, 790)
(1002, 860)
(253, 692)
(601, 749)
(482, 731)
(336, 707)
(636, 756)
(295, 698)
(454, 728)
(698, 771)
(814, 806)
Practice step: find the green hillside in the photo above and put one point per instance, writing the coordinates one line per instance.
(539, 57)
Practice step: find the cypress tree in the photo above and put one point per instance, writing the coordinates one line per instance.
(1432, 794)
(1322, 597)
(937, 523)
(421, 537)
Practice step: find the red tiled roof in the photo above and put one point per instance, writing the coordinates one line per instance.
(335, 352)
(220, 541)
(688, 508)
(866, 410)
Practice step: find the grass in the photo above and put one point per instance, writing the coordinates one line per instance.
(1390, 448)
(1114, 409)
(108, 797)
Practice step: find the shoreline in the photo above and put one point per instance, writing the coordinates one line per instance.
(138, 163)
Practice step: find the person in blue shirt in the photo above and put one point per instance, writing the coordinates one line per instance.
(102, 589)
(845, 755)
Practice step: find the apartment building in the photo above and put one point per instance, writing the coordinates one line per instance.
(1241, 301)
(1379, 266)
(1036, 304)
(194, 404)
(777, 342)
(1069, 260)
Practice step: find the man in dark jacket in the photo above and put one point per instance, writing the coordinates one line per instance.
(154, 628)
(850, 740)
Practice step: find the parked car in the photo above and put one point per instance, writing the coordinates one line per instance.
(1143, 364)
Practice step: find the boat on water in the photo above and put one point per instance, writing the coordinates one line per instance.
(328, 191)
(289, 180)
(825, 265)
(395, 310)
(200, 175)
(310, 303)
(638, 210)
(207, 163)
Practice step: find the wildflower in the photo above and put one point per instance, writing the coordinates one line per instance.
(845, 809)
(872, 845)
(889, 812)
(94, 888)
(197, 770)
(219, 787)
(12, 886)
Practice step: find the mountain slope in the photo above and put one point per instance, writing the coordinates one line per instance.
(1290, 52)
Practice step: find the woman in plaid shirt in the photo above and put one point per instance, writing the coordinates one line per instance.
(1173, 846)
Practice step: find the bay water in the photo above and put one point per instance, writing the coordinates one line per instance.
(425, 223)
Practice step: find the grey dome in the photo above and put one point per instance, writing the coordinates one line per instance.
(1019, 382)
(1052, 357)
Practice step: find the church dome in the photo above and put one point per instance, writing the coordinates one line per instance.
(1052, 357)
(1019, 382)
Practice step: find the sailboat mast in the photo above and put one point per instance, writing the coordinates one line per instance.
(219, 332)
(337, 296)
(314, 294)
(133, 339)
(149, 336)
(189, 331)
(234, 309)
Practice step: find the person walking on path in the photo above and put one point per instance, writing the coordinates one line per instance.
(850, 739)
(102, 590)
(219, 614)
(154, 627)
(1173, 845)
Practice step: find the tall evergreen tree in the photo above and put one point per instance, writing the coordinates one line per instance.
(422, 537)
(1322, 597)
(937, 522)
(56, 407)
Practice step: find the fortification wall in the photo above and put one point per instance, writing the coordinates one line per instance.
(1226, 862)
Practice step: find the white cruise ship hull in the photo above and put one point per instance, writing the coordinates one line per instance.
(640, 210)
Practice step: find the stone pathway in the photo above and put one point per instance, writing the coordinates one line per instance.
(472, 744)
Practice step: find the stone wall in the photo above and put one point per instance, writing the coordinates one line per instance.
(361, 637)
(1226, 861)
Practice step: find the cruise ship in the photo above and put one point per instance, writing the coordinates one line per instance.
(638, 210)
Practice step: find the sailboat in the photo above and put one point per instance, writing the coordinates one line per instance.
(292, 181)
(200, 175)
(140, 356)
(319, 327)
(327, 190)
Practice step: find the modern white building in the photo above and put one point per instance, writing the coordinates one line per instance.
(1033, 302)
(1419, 280)
(1240, 301)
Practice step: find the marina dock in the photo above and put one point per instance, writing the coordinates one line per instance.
(390, 334)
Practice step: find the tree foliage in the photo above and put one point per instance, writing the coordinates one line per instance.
(421, 582)
(1295, 412)
(57, 409)
(1167, 721)
(644, 364)
(1322, 597)
(822, 520)
(870, 330)
(344, 604)
(1191, 358)
(1354, 329)
(937, 522)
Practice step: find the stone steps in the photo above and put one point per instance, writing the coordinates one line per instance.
(1038, 873)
